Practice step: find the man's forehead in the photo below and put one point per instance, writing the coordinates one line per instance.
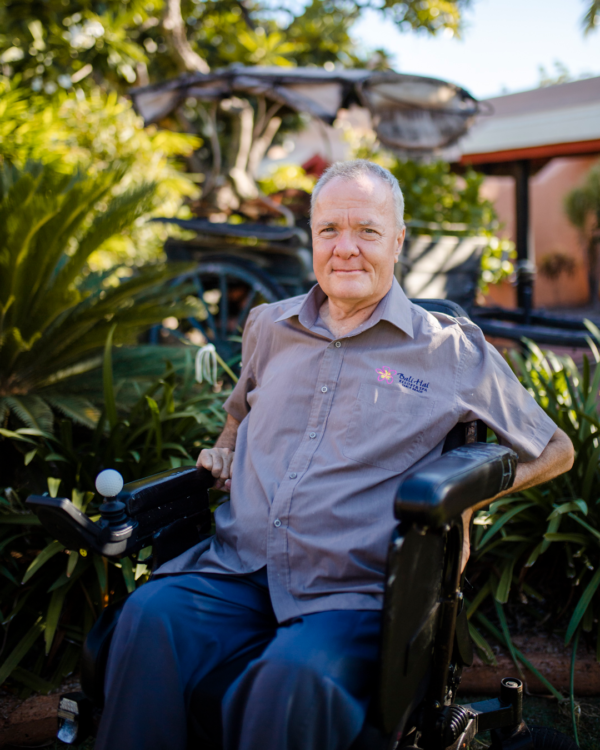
(357, 193)
(359, 215)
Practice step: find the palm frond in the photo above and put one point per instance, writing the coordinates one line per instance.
(77, 408)
(121, 212)
(32, 410)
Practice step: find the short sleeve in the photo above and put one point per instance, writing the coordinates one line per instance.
(237, 403)
(489, 390)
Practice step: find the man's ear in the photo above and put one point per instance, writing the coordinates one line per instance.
(400, 242)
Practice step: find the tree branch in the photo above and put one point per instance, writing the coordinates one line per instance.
(260, 145)
(187, 60)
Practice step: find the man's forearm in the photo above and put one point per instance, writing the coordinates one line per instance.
(228, 437)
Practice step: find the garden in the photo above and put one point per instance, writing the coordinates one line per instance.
(84, 278)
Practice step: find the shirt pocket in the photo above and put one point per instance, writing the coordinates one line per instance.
(387, 427)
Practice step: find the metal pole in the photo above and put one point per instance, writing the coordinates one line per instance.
(525, 267)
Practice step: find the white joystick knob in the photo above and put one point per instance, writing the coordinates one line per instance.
(109, 483)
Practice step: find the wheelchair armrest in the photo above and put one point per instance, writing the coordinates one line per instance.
(443, 489)
(150, 504)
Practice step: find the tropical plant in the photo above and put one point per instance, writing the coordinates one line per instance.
(54, 320)
(590, 20)
(58, 593)
(582, 206)
(88, 132)
(541, 546)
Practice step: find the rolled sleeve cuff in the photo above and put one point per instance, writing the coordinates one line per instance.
(235, 408)
(531, 447)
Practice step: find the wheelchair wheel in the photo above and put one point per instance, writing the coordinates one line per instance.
(545, 738)
(229, 288)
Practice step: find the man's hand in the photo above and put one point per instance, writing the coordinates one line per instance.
(219, 462)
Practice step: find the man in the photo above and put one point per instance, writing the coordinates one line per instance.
(342, 390)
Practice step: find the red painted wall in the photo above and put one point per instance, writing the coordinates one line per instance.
(551, 231)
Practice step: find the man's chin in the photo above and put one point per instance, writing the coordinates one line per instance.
(353, 288)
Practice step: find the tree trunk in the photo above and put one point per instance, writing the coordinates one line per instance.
(187, 60)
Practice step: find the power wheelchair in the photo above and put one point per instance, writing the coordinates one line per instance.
(425, 640)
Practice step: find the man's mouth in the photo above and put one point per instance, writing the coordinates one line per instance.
(348, 270)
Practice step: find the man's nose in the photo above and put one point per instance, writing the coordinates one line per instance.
(346, 245)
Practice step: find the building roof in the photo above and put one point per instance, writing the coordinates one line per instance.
(551, 121)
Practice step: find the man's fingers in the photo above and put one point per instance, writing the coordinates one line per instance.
(217, 464)
(205, 459)
(218, 461)
(226, 470)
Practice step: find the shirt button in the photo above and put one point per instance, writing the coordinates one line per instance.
(312, 435)
(293, 475)
(324, 389)
(277, 523)
(338, 344)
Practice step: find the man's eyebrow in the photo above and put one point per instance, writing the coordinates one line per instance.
(327, 223)
(369, 223)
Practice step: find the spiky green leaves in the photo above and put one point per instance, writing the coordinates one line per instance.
(54, 321)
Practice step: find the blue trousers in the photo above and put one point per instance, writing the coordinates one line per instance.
(308, 690)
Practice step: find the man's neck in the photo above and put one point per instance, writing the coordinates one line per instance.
(342, 319)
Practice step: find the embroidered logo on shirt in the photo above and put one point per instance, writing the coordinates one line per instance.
(408, 381)
(385, 374)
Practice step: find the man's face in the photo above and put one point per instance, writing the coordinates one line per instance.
(356, 241)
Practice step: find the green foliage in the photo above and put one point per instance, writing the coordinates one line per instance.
(56, 45)
(53, 320)
(434, 194)
(592, 16)
(286, 176)
(436, 199)
(47, 590)
(560, 520)
(90, 132)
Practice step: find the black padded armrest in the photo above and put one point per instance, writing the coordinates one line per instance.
(151, 504)
(454, 482)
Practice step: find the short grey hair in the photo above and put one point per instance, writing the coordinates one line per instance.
(351, 170)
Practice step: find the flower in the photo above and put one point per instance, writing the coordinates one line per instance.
(385, 374)
(206, 364)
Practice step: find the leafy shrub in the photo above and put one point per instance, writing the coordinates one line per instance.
(48, 590)
(436, 197)
(54, 320)
(90, 132)
(557, 524)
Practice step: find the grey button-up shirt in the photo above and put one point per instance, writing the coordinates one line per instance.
(328, 426)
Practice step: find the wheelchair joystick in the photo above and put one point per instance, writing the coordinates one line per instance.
(109, 483)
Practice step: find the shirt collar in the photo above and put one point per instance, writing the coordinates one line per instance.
(394, 308)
